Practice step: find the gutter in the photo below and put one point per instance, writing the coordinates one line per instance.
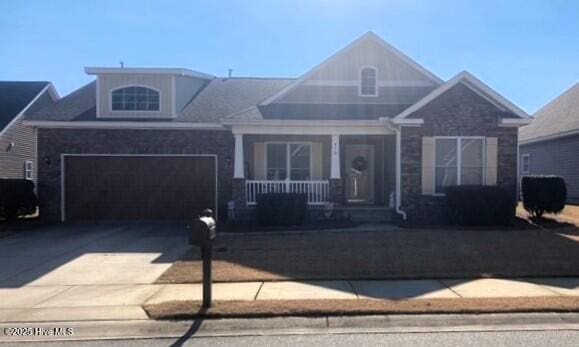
(555, 136)
(399, 173)
(123, 125)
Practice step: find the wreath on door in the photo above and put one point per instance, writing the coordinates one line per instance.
(359, 163)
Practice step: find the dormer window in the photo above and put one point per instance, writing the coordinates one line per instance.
(135, 98)
(368, 77)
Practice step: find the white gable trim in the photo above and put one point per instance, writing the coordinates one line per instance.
(367, 36)
(48, 88)
(475, 85)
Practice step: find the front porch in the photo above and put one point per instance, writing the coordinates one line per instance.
(350, 170)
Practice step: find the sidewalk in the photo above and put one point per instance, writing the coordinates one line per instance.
(124, 302)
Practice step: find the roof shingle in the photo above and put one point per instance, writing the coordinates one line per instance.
(15, 96)
(558, 117)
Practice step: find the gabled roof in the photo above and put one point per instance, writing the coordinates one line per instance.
(221, 97)
(368, 36)
(15, 97)
(75, 106)
(558, 118)
(224, 96)
(294, 111)
(474, 84)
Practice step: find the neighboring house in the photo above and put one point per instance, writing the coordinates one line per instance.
(550, 144)
(368, 130)
(18, 142)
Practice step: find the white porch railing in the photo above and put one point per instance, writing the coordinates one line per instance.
(318, 192)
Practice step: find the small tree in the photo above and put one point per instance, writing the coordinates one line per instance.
(543, 194)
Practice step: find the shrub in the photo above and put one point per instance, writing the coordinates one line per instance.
(480, 205)
(17, 198)
(543, 194)
(281, 209)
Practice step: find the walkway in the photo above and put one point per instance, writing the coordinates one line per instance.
(123, 302)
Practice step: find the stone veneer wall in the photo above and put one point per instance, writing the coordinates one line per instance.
(458, 112)
(54, 142)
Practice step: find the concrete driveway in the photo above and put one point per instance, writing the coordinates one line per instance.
(85, 272)
(90, 255)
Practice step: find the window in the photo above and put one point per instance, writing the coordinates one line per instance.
(526, 164)
(368, 82)
(135, 99)
(276, 161)
(28, 169)
(288, 160)
(458, 161)
(299, 161)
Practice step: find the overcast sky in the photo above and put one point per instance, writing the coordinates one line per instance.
(526, 50)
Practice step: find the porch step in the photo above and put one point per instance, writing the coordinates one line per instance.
(369, 214)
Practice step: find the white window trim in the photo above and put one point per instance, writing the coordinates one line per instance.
(523, 157)
(29, 170)
(458, 158)
(362, 68)
(288, 156)
(134, 111)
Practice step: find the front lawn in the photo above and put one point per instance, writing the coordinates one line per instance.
(391, 254)
(275, 308)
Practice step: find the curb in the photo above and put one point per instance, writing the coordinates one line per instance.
(144, 329)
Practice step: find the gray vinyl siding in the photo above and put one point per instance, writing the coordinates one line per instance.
(350, 95)
(24, 138)
(12, 162)
(556, 157)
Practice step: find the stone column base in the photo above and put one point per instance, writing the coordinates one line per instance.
(238, 187)
(337, 191)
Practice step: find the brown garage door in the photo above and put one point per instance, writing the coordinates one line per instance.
(138, 187)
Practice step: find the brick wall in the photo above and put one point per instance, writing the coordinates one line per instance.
(458, 112)
(54, 142)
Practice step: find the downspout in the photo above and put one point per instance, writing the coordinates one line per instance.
(399, 171)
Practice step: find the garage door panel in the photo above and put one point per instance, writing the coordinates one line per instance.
(138, 187)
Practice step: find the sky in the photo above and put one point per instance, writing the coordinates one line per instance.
(526, 50)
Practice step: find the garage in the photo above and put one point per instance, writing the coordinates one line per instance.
(137, 187)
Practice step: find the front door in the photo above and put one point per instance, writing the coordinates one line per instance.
(359, 167)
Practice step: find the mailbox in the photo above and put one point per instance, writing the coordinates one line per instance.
(203, 229)
(202, 235)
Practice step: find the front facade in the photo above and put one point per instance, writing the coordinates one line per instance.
(548, 146)
(368, 130)
(17, 141)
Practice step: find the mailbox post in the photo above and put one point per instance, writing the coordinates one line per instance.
(202, 235)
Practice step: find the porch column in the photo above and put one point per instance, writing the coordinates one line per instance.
(238, 171)
(335, 166)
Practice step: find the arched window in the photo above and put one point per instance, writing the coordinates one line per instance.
(368, 82)
(135, 99)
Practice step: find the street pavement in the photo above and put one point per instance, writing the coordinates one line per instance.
(538, 329)
(447, 339)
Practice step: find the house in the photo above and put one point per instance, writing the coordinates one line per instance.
(367, 131)
(549, 145)
(18, 142)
